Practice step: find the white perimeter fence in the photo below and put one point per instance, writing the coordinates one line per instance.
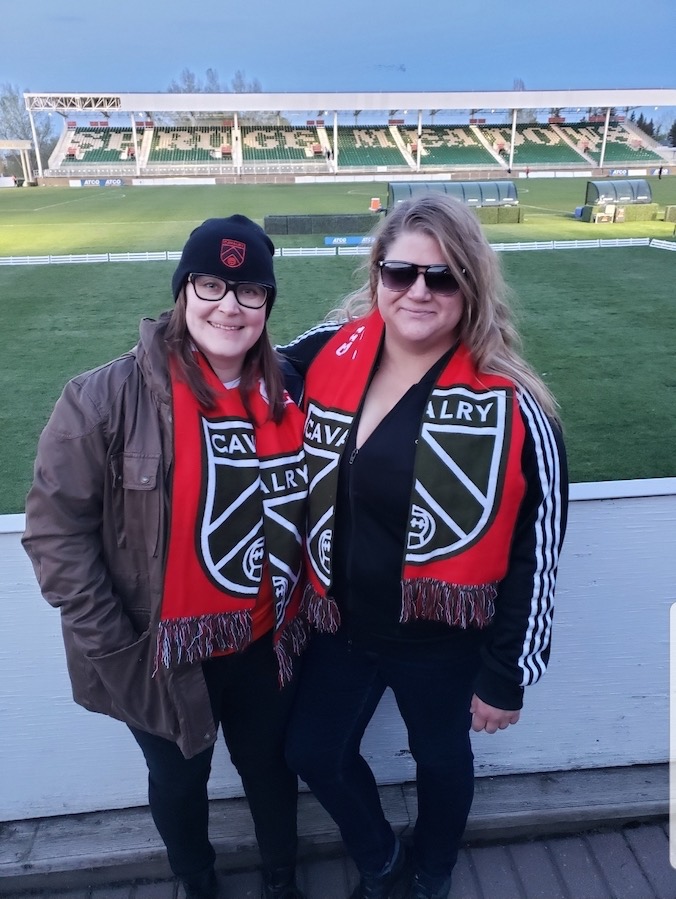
(290, 252)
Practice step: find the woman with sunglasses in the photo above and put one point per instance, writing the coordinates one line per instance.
(438, 496)
(165, 522)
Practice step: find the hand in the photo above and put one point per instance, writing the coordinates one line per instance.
(487, 717)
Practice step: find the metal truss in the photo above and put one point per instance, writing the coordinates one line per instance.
(73, 102)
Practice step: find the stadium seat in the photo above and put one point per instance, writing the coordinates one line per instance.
(98, 145)
(534, 144)
(445, 145)
(368, 147)
(280, 144)
(188, 144)
(622, 146)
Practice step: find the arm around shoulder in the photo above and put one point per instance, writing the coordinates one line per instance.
(301, 352)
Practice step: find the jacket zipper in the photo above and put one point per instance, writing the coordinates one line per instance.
(351, 503)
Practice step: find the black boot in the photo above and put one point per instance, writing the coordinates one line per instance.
(423, 887)
(381, 886)
(202, 886)
(280, 883)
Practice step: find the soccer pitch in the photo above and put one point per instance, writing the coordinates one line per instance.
(598, 324)
(44, 220)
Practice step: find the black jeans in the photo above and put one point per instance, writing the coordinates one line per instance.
(339, 691)
(252, 710)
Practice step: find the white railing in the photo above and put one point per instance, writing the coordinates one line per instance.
(160, 256)
(663, 244)
(573, 244)
(306, 251)
(626, 242)
(55, 260)
(353, 251)
(295, 252)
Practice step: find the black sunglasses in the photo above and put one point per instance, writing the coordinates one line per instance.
(402, 275)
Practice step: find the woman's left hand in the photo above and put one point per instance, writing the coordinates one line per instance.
(487, 717)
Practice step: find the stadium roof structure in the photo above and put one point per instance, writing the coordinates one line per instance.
(15, 144)
(24, 148)
(319, 105)
(107, 103)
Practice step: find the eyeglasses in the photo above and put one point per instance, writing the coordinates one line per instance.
(402, 275)
(247, 293)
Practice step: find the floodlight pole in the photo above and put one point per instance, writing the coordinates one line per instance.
(237, 134)
(605, 138)
(35, 143)
(418, 142)
(137, 152)
(511, 140)
(25, 165)
(335, 141)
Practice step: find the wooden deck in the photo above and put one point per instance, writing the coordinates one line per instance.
(596, 834)
(629, 862)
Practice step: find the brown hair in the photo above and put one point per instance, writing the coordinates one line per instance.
(486, 327)
(261, 361)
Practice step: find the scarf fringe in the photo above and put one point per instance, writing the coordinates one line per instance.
(457, 605)
(321, 612)
(195, 639)
(289, 644)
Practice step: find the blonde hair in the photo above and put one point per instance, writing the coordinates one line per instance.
(486, 327)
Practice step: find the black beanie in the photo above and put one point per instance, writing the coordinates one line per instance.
(234, 248)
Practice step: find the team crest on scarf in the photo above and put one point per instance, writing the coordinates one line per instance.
(239, 485)
(232, 252)
(463, 444)
(325, 434)
(230, 542)
(284, 484)
(466, 489)
(232, 535)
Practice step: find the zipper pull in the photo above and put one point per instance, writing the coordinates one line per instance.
(353, 455)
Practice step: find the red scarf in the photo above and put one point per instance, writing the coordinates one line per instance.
(467, 480)
(238, 500)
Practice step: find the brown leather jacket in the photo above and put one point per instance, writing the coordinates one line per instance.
(96, 533)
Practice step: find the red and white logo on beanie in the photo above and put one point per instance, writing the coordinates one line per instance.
(232, 252)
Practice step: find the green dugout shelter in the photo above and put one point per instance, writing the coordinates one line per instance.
(626, 191)
(472, 193)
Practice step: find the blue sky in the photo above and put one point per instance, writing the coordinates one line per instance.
(341, 45)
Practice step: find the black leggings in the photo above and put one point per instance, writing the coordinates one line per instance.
(252, 711)
(341, 687)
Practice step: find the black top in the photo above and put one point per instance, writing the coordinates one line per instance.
(372, 507)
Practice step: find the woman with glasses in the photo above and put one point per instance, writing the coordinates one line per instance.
(165, 522)
(438, 494)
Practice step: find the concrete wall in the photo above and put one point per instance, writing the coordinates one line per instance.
(604, 701)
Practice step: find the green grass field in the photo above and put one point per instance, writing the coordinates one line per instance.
(599, 325)
(44, 220)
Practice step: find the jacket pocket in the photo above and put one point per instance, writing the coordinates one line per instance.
(137, 697)
(140, 618)
(136, 501)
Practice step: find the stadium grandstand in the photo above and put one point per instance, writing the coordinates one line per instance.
(140, 138)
